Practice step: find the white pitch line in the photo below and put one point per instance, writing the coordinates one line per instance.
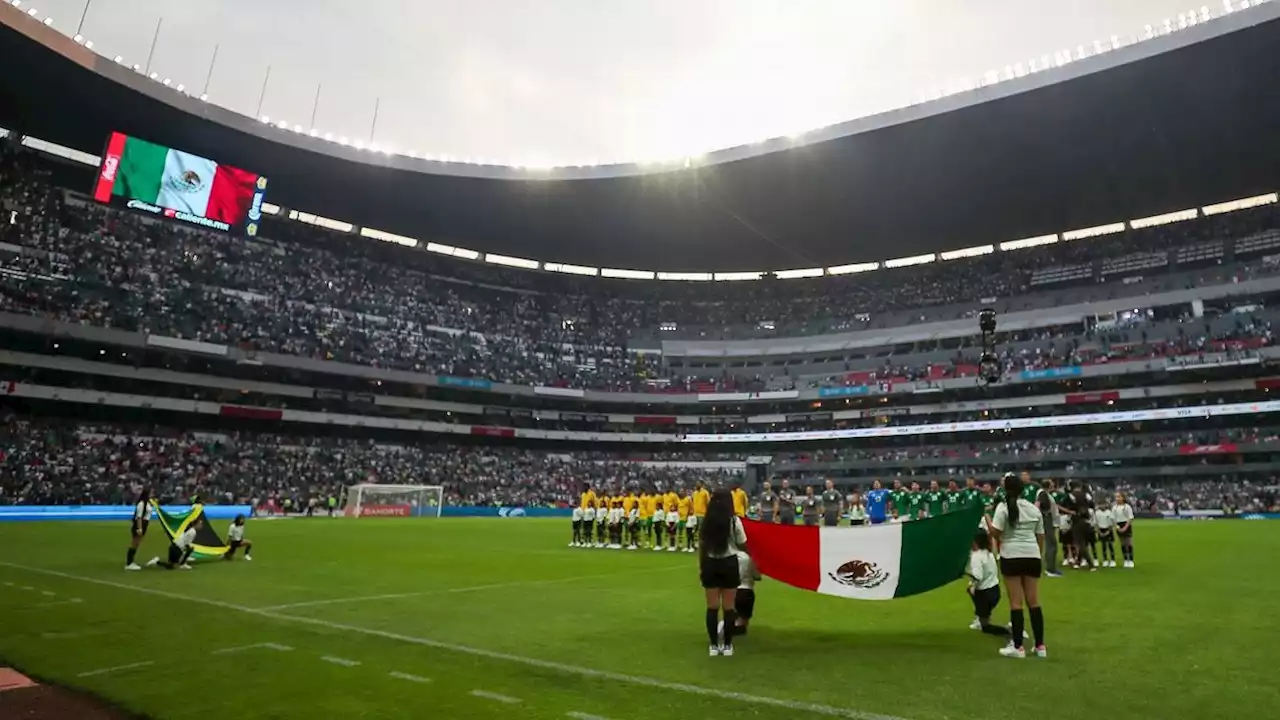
(406, 676)
(451, 591)
(276, 646)
(340, 661)
(72, 601)
(495, 697)
(815, 708)
(117, 668)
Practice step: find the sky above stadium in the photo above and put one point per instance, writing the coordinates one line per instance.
(577, 81)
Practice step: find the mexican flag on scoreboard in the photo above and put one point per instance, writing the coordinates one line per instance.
(183, 182)
(873, 562)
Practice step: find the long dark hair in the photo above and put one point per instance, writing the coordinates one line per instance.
(717, 524)
(144, 495)
(1012, 492)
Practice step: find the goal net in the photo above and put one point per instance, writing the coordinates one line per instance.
(371, 500)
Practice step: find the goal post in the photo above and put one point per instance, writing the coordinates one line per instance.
(374, 500)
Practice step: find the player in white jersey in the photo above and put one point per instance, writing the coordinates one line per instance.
(1104, 524)
(1123, 512)
(745, 599)
(236, 540)
(180, 549)
(615, 525)
(578, 512)
(138, 527)
(588, 524)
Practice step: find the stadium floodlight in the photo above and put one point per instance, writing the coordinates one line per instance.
(737, 276)
(88, 44)
(570, 269)
(358, 144)
(685, 276)
(1029, 242)
(181, 88)
(297, 128)
(453, 251)
(204, 97)
(511, 261)
(342, 140)
(853, 268)
(283, 125)
(1205, 15)
(374, 500)
(153, 76)
(120, 59)
(314, 132)
(797, 274)
(266, 120)
(1241, 204)
(328, 136)
(388, 237)
(626, 274)
(32, 12)
(78, 39)
(1164, 219)
(137, 68)
(167, 81)
(17, 3)
(1092, 232)
(1226, 6)
(912, 260)
(968, 252)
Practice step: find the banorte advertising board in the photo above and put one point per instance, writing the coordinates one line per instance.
(385, 511)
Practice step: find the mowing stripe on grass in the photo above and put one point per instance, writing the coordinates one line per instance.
(406, 676)
(339, 661)
(815, 708)
(495, 697)
(117, 668)
(46, 593)
(450, 591)
(584, 716)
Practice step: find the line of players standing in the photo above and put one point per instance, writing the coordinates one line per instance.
(635, 519)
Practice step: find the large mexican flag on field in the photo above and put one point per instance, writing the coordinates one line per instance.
(184, 182)
(873, 562)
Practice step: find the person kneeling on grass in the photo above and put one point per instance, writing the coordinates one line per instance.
(984, 585)
(235, 539)
(744, 601)
(180, 549)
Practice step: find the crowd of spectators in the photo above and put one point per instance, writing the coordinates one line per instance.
(46, 462)
(313, 294)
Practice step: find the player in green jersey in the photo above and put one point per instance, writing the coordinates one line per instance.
(915, 502)
(935, 501)
(898, 496)
(955, 497)
(970, 495)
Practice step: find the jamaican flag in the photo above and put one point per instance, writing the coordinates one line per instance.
(207, 546)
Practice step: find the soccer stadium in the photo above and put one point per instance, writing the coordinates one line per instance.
(403, 435)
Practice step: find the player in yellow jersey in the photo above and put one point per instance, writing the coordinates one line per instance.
(584, 517)
(739, 501)
(602, 517)
(671, 507)
(700, 499)
(646, 518)
(686, 519)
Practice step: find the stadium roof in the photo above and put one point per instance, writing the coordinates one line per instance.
(1172, 123)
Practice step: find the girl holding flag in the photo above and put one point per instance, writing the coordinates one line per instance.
(1018, 528)
(722, 540)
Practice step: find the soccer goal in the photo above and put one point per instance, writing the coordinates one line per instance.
(372, 500)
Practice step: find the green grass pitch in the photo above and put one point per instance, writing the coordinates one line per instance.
(483, 618)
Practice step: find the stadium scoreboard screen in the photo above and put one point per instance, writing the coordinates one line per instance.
(158, 180)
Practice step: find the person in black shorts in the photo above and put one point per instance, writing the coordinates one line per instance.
(138, 527)
(719, 545)
(1018, 527)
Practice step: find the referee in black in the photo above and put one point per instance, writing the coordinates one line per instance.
(832, 505)
(786, 504)
(1081, 505)
(768, 502)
